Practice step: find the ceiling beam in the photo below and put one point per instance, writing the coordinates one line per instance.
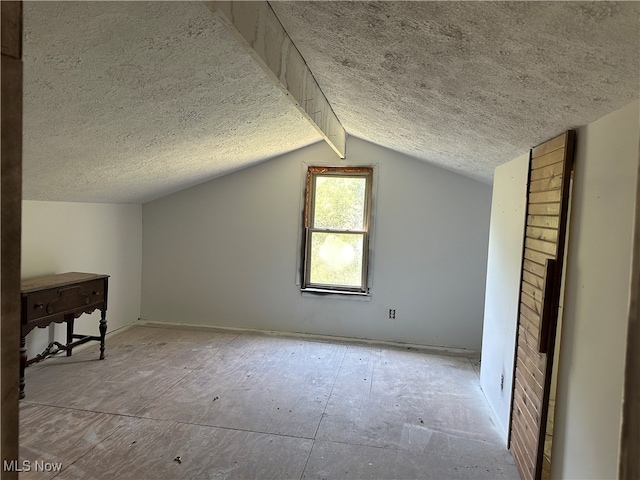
(256, 25)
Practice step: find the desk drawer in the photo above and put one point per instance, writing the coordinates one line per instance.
(57, 300)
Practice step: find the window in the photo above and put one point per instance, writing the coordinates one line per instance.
(336, 229)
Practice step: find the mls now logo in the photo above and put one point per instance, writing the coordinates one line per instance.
(28, 466)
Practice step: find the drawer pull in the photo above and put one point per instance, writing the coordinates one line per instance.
(38, 306)
(96, 292)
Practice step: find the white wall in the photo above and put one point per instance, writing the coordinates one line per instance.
(224, 253)
(504, 269)
(62, 237)
(591, 369)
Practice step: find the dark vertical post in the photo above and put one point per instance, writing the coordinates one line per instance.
(10, 229)
(70, 322)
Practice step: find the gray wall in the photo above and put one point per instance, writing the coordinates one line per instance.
(224, 253)
(62, 237)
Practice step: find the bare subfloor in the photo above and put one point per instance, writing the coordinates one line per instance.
(178, 403)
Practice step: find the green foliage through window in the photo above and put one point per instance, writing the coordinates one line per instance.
(339, 203)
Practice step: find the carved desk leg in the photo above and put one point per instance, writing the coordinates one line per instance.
(23, 363)
(70, 321)
(103, 332)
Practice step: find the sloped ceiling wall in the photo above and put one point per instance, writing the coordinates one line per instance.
(127, 101)
(130, 101)
(468, 85)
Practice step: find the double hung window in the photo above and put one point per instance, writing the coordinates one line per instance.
(336, 229)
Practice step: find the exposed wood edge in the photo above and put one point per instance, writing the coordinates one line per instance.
(11, 12)
(10, 230)
(629, 464)
(256, 25)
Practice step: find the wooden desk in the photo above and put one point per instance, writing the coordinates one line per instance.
(61, 298)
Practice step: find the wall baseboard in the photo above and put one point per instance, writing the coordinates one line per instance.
(454, 352)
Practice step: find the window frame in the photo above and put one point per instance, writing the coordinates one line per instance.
(314, 172)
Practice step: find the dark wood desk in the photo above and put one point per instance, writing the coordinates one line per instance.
(61, 298)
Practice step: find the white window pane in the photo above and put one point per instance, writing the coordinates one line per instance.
(336, 259)
(339, 203)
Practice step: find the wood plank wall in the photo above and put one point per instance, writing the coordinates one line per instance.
(550, 169)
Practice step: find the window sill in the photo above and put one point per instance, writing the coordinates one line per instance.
(320, 292)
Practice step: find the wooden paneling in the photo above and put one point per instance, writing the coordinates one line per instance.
(550, 146)
(528, 404)
(541, 246)
(552, 196)
(544, 209)
(533, 279)
(546, 159)
(545, 184)
(531, 325)
(545, 221)
(532, 367)
(536, 257)
(530, 302)
(547, 172)
(524, 418)
(532, 291)
(547, 195)
(531, 314)
(545, 234)
(536, 269)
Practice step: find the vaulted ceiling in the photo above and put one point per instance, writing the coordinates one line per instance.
(129, 101)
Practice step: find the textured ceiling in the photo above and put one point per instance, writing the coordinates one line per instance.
(129, 101)
(468, 85)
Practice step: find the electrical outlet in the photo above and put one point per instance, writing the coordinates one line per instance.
(501, 381)
(392, 313)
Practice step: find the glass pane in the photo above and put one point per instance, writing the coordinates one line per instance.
(336, 259)
(339, 203)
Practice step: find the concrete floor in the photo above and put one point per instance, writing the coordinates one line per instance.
(248, 406)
